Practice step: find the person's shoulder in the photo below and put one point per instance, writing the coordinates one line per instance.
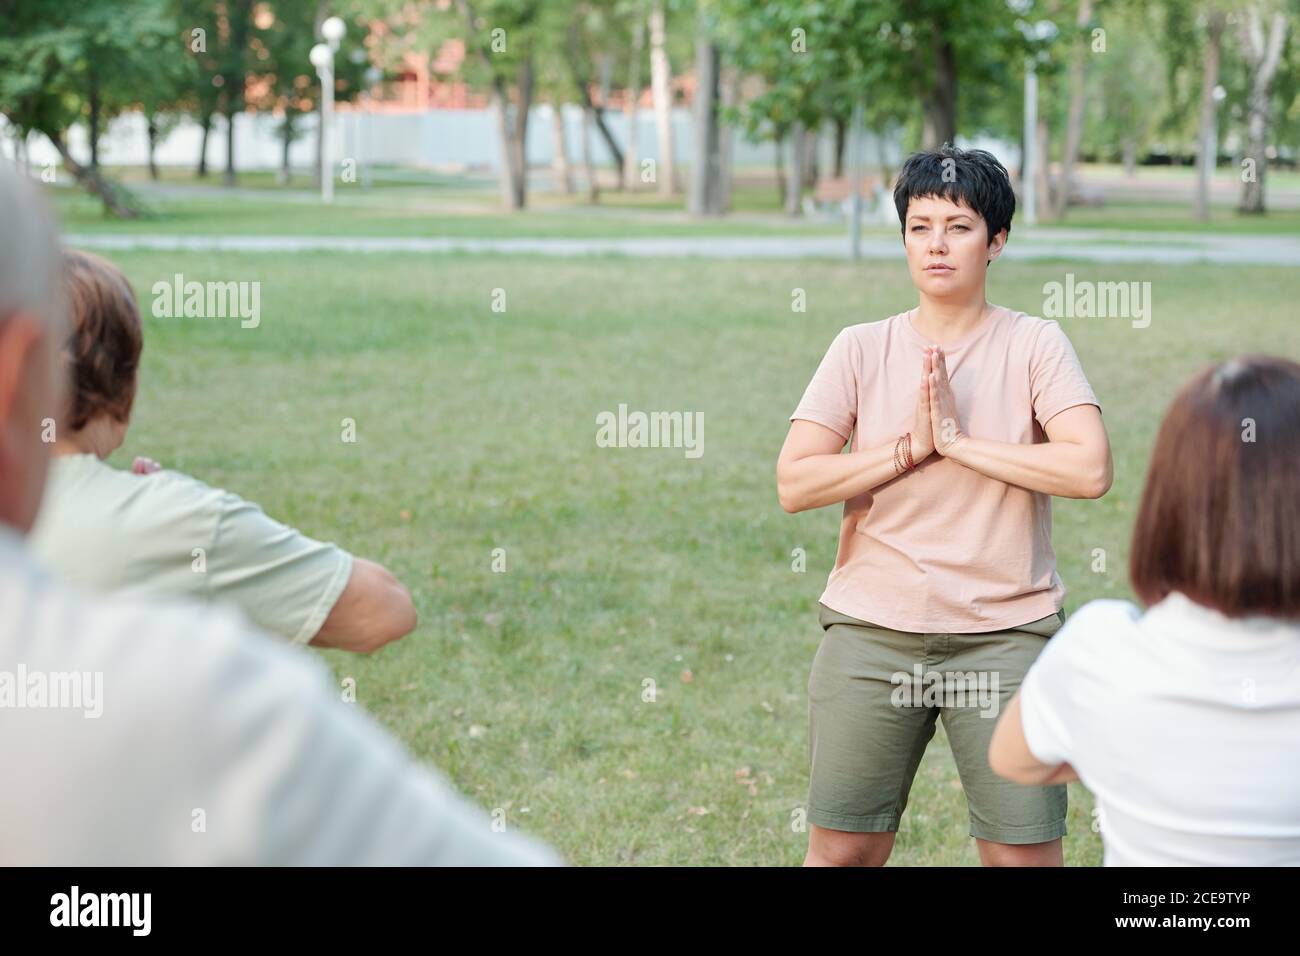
(177, 504)
(183, 488)
(86, 474)
(89, 506)
(1099, 622)
(1028, 327)
(876, 331)
(102, 486)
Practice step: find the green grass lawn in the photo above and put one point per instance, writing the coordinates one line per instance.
(1176, 218)
(414, 212)
(476, 431)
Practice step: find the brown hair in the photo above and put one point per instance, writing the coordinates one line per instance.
(1220, 515)
(104, 345)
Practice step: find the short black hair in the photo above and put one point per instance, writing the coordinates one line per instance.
(971, 176)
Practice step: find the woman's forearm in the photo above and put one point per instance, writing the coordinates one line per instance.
(1061, 468)
(820, 480)
(1062, 774)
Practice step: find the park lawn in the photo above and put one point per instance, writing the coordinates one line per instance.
(417, 211)
(754, 189)
(1175, 217)
(476, 431)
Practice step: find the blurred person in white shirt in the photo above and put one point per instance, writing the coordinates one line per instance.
(135, 732)
(1184, 719)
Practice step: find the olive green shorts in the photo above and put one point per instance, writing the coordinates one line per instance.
(874, 695)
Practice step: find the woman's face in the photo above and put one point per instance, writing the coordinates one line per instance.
(947, 246)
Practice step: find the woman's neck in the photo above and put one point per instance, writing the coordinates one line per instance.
(945, 321)
(99, 438)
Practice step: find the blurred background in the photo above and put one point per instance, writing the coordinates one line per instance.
(710, 107)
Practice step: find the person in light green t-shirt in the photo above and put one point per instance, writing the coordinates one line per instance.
(158, 532)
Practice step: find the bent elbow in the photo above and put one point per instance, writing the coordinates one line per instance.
(1100, 483)
(791, 502)
(401, 618)
(392, 618)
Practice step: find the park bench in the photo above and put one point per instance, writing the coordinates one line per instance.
(835, 194)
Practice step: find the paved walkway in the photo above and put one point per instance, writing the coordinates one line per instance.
(1026, 244)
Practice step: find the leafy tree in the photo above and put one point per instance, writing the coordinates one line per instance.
(65, 61)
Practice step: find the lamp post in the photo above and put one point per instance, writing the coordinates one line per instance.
(1036, 34)
(855, 177)
(322, 57)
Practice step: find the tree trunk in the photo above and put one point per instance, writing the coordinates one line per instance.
(811, 138)
(203, 148)
(582, 81)
(1130, 157)
(588, 168)
(940, 96)
(630, 171)
(1208, 137)
(882, 159)
(117, 201)
(228, 179)
(521, 131)
(560, 163)
(151, 130)
(1042, 169)
(794, 180)
(779, 141)
(286, 140)
(706, 195)
(1262, 57)
(510, 192)
(1074, 122)
(95, 107)
(320, 144)
(661, 82)
(727, 146)
(841, 128)
(598, 118)
(240, 15)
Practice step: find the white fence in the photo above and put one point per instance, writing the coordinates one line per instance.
(451, 139)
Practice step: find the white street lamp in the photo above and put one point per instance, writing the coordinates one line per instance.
(332, 31)
(1029, 160)
(322, 57)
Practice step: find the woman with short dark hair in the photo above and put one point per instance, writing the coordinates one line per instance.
(962, 421)
(1184, 721)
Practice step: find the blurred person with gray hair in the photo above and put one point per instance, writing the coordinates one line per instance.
(135, 732)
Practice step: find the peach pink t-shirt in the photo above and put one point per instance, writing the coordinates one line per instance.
(944, 548)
